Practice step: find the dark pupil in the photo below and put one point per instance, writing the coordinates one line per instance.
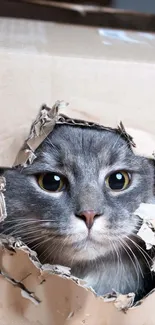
(51, 182)
(116, 181)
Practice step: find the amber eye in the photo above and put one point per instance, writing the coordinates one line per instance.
(51, 182)
(118, 181)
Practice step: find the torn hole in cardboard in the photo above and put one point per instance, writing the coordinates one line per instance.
(59, 297)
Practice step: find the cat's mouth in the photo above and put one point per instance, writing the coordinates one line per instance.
(86, 238)
(79, 240)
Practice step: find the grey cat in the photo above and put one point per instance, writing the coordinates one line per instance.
(74, 205)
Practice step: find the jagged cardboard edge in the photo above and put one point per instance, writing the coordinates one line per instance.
(45, 122)
(3, 213)
(11, 244)
(146, 213)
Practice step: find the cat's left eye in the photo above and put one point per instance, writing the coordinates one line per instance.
(118, 181)
(51, 182)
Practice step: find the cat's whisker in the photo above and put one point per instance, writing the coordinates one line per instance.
(55, 247)
(66, 239)
(38, 244)
(29, 237)
(113, 249)
(61, 246)
(21, 229)
(25, 230)
(18, 226)
(51, 249)
(141, 250)
(135, 257)
(130, 257)
(28, 221)
(134, 262)
(42, 255)
(32, 243)
(36, 238)
(19, 220)
(118, 255)
(32, 233)
(24, 227)
(11, 230)
(137, 237)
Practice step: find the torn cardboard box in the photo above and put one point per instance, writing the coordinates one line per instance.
(48, 294)
(112, 80)
(44, 124)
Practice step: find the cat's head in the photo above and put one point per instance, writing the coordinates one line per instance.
(76, 201)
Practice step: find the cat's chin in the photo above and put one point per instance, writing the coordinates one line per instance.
(86, 250)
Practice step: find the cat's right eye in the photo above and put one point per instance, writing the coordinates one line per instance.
(51, 182)
(118, 181)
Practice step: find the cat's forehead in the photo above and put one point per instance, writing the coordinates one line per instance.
(67, 141)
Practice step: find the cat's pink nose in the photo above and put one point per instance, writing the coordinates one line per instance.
(88, 216)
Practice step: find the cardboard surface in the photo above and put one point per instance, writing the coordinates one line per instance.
(38, 295)
(105, 78)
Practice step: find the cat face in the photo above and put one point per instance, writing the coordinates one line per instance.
(76, 201)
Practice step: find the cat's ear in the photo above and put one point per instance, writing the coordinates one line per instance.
(144, 141)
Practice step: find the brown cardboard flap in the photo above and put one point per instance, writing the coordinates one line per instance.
(43, 295)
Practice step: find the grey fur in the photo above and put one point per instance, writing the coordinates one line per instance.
(47, 222)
